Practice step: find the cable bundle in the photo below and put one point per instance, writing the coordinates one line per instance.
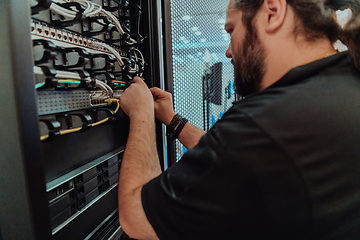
(106, 93)
(72, 130)
(92, 9)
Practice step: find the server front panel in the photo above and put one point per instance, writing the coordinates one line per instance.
(86, 53)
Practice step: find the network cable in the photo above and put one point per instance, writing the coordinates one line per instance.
(73, 77)
(112, 50)
(142, 58)
(91, 10)
(72, 130)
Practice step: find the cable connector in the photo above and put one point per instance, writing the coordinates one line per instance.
(111, 100)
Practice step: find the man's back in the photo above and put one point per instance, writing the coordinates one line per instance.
(283, 163)
(315, 122)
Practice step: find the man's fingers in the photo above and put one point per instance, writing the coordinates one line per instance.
(137, 79)
(155, 90)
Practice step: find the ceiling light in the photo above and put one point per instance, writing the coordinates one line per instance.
(186, 18)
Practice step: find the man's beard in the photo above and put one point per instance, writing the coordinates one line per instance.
(249, 67)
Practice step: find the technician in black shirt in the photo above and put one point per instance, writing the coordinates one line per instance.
(284, 162)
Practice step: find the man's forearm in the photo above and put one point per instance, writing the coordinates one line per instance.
(140, 161)
(190, 136)
(140, 164)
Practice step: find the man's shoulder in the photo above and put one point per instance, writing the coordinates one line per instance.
(303, 104)
(306, 87)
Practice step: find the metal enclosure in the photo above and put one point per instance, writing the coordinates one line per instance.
(31, 169)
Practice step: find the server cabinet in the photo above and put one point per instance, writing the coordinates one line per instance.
(63, 66)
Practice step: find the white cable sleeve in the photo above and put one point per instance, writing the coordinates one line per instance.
(38, 70)
(97, 9)
(62, 11)
(109, 89)
(141, 55)
(70, 75)
(100, 85)
(112, 50)
(105, 86)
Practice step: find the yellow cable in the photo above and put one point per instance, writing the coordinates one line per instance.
(100, 122)
(72, 130)
(44, 137)
(107, 119)
(63, 132)
(115, 81)
(69, 80)
(114, 100)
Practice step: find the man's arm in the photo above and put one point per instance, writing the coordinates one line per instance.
(164, 112)
(140, 162)
(190, 135)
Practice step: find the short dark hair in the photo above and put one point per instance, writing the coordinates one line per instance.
(316, 20)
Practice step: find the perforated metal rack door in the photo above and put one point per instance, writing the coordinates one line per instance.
(202, 75)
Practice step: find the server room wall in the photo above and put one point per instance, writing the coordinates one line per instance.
(73, 65)
(203, 85)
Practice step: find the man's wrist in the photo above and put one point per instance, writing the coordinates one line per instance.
(142, 114)
(170, 128)
(169, 119)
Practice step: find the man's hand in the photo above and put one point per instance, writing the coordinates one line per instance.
(137, 99)
(164, 110)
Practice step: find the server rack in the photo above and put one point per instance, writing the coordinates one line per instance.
(64, 187)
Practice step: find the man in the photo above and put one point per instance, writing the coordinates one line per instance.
(283, 163)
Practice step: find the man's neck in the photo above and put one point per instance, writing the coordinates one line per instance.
(281, 58)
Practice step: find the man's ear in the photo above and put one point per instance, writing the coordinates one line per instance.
(275, 12)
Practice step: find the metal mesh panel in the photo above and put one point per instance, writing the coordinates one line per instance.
(203, 76)
(62, 101)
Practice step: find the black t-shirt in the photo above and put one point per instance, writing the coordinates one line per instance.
(283, 163)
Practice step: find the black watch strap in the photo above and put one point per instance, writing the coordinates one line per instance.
(179, 128)
(174, 122)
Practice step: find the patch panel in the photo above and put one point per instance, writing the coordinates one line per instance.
(64, 101)
(59, 35)
(136, 62)
(52, 33)
(46, 31)
(43, 31)
(61, 101)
